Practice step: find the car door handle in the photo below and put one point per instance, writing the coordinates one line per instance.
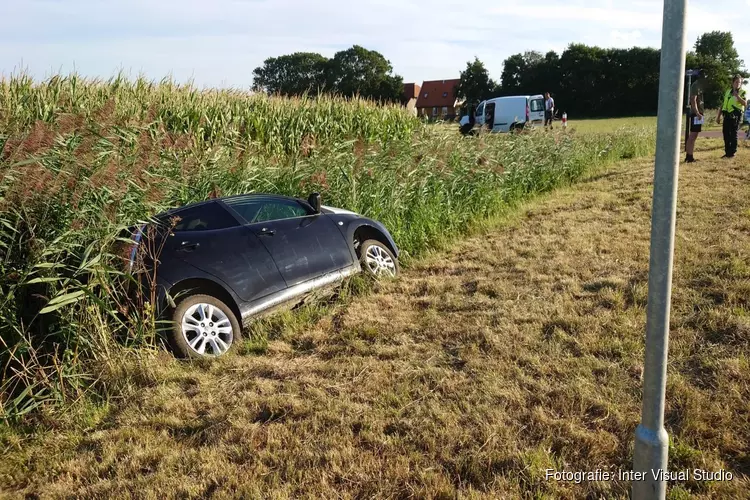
(267, 232)
(186, 246)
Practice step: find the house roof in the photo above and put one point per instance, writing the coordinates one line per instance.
(411, 91)
(437, 93)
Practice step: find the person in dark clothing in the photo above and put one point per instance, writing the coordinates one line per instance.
(732, 109)
(467, 128)
(696, 116)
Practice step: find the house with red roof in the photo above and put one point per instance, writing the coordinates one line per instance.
(437, 99)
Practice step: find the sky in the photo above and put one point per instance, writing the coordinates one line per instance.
(218, 43)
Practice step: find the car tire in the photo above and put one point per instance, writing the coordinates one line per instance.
(377, 260)
(191, 337)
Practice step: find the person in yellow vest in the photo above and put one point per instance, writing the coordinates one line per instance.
(732, 109)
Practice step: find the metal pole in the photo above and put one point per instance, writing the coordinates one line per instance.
(687, 110)
(651, 439)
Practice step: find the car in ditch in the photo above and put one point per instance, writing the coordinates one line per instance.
(224, 261)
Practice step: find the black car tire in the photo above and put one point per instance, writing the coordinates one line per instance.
(177, 341)
(377, 248)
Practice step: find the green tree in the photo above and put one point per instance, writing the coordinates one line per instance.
(475, 85)
(292, 74)
(364, 72)
(514, 68)
(716, 55)
(719, 46)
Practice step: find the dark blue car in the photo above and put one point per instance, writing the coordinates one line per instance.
(223, 261)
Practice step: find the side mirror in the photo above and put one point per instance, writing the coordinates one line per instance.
(314, 201)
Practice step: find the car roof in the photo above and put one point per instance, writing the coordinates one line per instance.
(175, 210)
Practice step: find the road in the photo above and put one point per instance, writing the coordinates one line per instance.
(717, 134)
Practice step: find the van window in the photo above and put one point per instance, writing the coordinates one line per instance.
(537, 105)
(480, 110)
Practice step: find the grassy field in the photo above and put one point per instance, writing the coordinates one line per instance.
(82, 160)
(513, 351)
(613, 124)
(600, 125)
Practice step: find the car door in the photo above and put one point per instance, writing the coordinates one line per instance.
(479, 114)
(536, 110)
(303, 244)
(212, 239)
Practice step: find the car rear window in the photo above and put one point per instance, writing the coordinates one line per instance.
(207, 217)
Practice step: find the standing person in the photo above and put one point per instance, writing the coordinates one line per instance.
(731, 111)
(549, 109)
(696, 116)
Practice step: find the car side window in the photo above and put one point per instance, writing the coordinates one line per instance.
(262, 210)
(203, 218)
(279, 209)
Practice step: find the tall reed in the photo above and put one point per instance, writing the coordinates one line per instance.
(81, 160)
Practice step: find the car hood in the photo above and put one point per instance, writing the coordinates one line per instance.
(338, 211)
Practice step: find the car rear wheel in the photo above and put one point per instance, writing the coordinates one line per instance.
(204, 327)
(377, 259)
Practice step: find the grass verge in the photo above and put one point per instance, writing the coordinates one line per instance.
(516, 350)
(82, 160)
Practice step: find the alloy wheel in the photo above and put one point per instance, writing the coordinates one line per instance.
(207, 330)
(379, 261)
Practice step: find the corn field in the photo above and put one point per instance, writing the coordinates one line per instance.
(81, 160)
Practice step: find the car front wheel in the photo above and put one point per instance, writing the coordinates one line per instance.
(204, 327)
(377, 259)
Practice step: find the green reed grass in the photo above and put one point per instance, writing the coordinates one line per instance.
(83, 159)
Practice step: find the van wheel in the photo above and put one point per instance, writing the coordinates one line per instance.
(203, 327)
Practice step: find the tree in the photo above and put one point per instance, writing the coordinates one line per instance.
(514, 68)
(475, 85)
(716, 55)
(364, 72)
(719, 46)
(292, 74)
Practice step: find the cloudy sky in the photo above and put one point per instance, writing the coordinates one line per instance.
(220, 42)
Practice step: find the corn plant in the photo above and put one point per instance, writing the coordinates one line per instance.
(83, 159)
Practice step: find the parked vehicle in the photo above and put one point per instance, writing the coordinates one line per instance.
(226, 260)
(504, 114)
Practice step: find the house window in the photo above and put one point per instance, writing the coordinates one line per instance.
(445, 111)
(434, 111)
(425, 95)
(445, 94)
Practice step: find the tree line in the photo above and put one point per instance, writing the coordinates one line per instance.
(586, 81)
(355, 71)
(591, 81)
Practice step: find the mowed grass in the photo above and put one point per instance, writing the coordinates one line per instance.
(600, 125)
(516, 350)
(605, 125)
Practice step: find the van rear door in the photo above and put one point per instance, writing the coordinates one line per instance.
(536, 110)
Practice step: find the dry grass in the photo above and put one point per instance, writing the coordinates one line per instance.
(516, 351)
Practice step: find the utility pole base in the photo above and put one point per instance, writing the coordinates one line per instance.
(651, 448)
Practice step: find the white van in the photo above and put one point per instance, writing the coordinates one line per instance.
(508, 113)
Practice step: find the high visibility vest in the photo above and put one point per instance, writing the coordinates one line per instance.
(731, 104)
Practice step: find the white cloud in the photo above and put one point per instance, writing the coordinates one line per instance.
(626, 38)
(220, 42)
